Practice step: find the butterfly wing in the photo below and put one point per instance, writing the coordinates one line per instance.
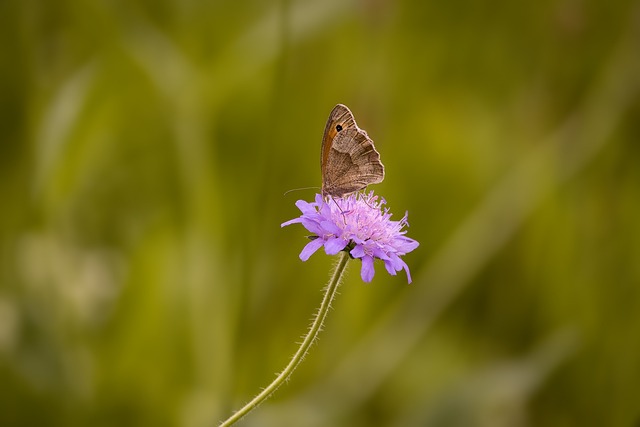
(351, 163)
(340, 119)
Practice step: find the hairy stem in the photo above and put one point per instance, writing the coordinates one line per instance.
(309, 339)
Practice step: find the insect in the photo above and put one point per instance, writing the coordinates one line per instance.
(348, 160)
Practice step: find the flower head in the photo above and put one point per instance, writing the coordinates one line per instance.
(359, 224)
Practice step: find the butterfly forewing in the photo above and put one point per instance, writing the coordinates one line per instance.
(340, 119)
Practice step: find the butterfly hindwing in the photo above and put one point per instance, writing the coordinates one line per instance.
(351, 164)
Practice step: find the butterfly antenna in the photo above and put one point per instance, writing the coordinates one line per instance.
(297, 189)
(344, 218)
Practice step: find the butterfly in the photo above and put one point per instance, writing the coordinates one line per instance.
(348, 160)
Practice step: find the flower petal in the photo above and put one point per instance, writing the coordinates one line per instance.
(312, 226)
(331, 228)
(379, 253)
(390, 268)
(367, 270)
(334, 245)
(305, 207)
(395, 262)
(357, 252)
(292, 221)
(406, 269)
(311, 248)
(405, 244)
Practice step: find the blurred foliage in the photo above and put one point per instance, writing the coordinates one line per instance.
(146, 147)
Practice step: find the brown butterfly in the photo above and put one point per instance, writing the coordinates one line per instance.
(348, 161)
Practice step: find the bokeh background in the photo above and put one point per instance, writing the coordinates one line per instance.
(145, 149)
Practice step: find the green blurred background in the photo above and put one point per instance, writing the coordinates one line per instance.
(146, 146)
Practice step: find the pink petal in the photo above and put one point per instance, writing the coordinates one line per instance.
(367, 270)
(334, 245)
(311, 248)
(292, 221)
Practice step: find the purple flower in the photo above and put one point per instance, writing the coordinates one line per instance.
(359, 224)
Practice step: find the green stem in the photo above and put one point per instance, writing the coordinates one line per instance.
(309, 339)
